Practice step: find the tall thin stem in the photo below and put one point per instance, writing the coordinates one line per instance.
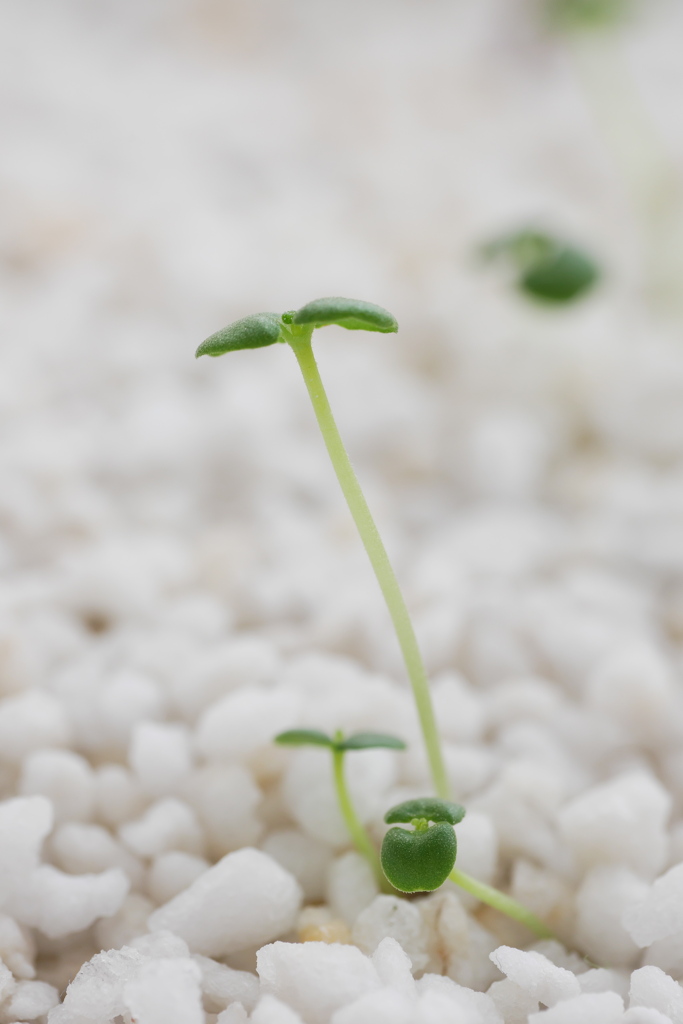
(499, 901)
(355, 499)
(360, 837)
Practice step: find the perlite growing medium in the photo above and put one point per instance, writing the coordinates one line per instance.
(180, 582)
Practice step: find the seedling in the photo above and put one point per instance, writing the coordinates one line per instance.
(296, 328)
(586, 14)
(339, 746)
(422, 858)
(546, 269)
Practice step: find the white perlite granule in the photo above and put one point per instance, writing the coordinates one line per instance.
(180, 579)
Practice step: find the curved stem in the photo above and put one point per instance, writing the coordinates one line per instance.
(499, 901)
(377, 554)
(360, 837)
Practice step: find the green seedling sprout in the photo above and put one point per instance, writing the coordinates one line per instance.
(586, 14)
(296, 328)
(339, 746)
(546, 268)
(422, 858)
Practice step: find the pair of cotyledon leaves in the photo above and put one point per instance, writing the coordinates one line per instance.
(547, 269)
(418, 860)
(261, 329)
(586, 14)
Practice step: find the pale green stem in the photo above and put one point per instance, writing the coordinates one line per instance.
(361, 839)
(355, 499)
(499, 901)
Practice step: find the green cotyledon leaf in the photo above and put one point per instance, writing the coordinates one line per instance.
(420, 860)
(304, 738)
(428, 807)
(255, 331)
(354, 314)
(368, 740)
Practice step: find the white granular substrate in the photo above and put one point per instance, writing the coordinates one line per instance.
(179, 577)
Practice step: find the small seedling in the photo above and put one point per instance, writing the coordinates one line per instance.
(422, 859)
(339, 745)
(546, 268)
(296, 328)
(586, 14)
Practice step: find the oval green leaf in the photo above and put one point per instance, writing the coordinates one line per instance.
(562, 277)
(255, 331)
(368, 740)
(428, 807)
(548, 269)
(419, 861)
(586, 14)
(354, 314)
(304, 738)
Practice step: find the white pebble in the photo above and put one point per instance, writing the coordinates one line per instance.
(226, 800)
(394, 967)
(95, 996)
(24, 824)
(16, 948)
(652, 987)
(160, 756)
(241, 722)
(160, 944)
(440, 998)
(351, 886)
(29, 722)
(7, 983)
(392, 917)
(127, 925)
(645, 1015)
(605, 979)
(458, 708)
(172, 872)
(86, 849)
(59, 904)
(477, 849)
(168, 824)
(315, 978)
(537, 975)
(245, 900)
(621, 822)
(233, 1014)
(31, 999)
(590, 1008)
(634, 686)
(273, 1011)
(118, 796)
(385, 1006)
(66, 778)
(512, 1002)
(604, 896)
(244, 660)
(222, 985)
(305, 858)
(660, 911)
(165, 992)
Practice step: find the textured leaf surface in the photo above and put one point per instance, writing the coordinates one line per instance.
(303, 738)
(419, 861)
(428, 807)
(354, 314)
(253, 331)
